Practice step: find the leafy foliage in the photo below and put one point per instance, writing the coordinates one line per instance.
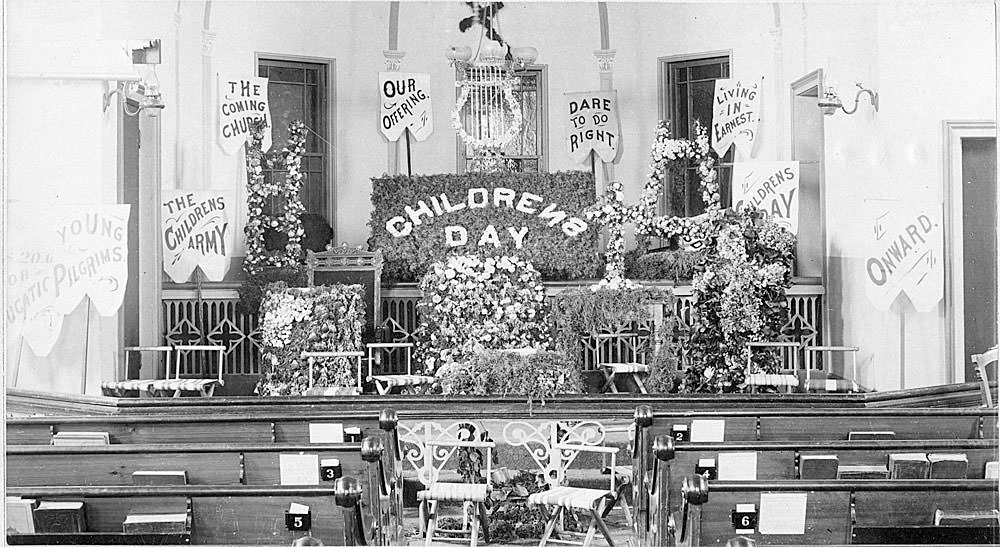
(537, 376)
(252, 289)
(553, 253)
(673, 265)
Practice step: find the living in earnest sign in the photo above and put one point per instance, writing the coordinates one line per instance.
(61, 255)
(772, 187)
(593, 125)
(904, 249)
(241, 101)
(735, 114)
(196, 232)
(405, 103)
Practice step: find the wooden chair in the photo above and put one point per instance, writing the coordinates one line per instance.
(174, 387)
(132, 388)
(310, 357)
(384, 383)
(554, 447)
(981, 360)
(610, 370)
(787, 381)
(428, 447)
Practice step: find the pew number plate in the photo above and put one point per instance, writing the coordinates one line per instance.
(706, 468)
(298, 522)
(681, 433)
(745, 518)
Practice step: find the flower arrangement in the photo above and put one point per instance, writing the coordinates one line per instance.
(739, 298)
(474, 303)
(293, 320)
(537, 376)
(259, 190)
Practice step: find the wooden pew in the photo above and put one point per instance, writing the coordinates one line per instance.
(222, 515)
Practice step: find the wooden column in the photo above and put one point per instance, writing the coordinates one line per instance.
(207, 39)
(148, 213)
(393, 60)
(605, 58)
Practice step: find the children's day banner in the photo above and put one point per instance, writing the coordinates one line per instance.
(405, 103)
(196, 232)
(62, 254)
(772, 187)
(735, 114)
(904, 246)
(241, 101)
(593, 124)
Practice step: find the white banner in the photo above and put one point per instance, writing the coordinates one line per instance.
(772, 187)
(904, 252)
(60, 255)
(405, 103)
(241, 101)
(593, 124)
(735, 114)
(196, 232)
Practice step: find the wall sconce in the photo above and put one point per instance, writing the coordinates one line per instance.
(145, 93)
(830, 101)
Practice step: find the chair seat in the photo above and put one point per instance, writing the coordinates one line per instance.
(183, 384)
(127, 384)
(832, 385)
(623, 471)
(778, 380)
(626, 368)
(454, 491)
(569, 497)
(397, 380)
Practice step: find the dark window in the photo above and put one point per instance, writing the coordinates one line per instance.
(526, 152)
(299, 91)
(690, 90)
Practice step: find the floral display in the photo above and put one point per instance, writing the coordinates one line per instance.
(260, 190)
(475, 303)
(739, 298)
(536, 376)
(293, 320)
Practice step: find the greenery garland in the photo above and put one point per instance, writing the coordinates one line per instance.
(259, 190)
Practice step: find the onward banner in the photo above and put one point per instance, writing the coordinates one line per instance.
(736, 114)
(197, 233)
(241, 101)
(61, 255)
(593, 124)
(405, 103)
(772, 187)
(904, 247)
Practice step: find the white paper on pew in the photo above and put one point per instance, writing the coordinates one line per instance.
(831, 385)
(298, 509)
(737, 466)
(708, 431)
(783, 513)
(299, 469)
(326, 433)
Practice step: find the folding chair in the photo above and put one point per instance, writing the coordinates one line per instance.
(311, 356)
(428, 447)
(175, 386)
(132, 388)
(839, 385)
(787, 381)
(980, 361)
(554, 449)
(611, 369)
(384, 383)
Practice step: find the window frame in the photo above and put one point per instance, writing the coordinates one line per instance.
(543, 119)
(330, 65)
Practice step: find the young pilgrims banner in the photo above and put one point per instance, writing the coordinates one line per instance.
(593, 125)
(241, 101)
(904, 251)
(61, 255)
(735, 114)
(772, 187)
(405, 103)
(196, 233)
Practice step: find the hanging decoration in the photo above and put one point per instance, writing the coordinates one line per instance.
(259, 190)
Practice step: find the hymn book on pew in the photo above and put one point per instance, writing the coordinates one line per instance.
(159, 478)
(858, 472)
(908, 466)
(992, 470)
(948, 466)
(946, 517)
(871, 435)
(66, 517)
(19, 515)
(156, 523)
(81, 438)
(818, 466)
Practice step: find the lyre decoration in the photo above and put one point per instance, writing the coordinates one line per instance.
(541, 443)
(428, 460)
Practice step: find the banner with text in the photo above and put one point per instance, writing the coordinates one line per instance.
(735, 114)
(772, 187)
(61, 255)
(593, 124)
(405, 103)
(241, 101)
(196, 232)
(904, 251)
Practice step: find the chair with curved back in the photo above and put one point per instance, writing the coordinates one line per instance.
(980, 361)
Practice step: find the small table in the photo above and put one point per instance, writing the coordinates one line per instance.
(610, 370)
(177, 385)
(384, 383)
(132, 388)
(310, 356)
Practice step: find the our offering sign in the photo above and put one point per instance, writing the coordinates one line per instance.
(735, 114)
(772, 187)
(196, 232)
(405, 103)
(241, 101)
(61, 255)
(593, 125)
(904, 249)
